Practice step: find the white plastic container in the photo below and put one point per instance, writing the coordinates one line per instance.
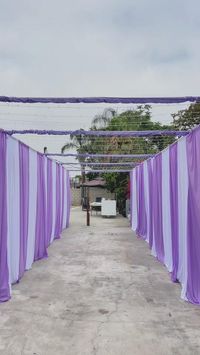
(108, 208)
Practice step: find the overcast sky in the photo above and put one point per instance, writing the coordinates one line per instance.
(96, 48)
(99, 47)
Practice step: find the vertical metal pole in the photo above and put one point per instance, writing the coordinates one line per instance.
(88, 208)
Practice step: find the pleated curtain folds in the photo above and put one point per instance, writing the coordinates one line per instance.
(34, 204)
(165, 210)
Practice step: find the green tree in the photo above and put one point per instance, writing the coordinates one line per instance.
(188, 118)
(117, 183)
(138, 119)
(101, 121)
(80, 144)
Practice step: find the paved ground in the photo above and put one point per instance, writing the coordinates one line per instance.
(99, 292)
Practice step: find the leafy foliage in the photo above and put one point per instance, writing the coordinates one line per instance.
(101, 121)
(80, 143)
(117, 183)
(138, 119)
(187, 119)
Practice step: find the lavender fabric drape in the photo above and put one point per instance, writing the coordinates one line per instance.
(174, 208)
(32, 200)
(13, 210)
(146, 198)
(32, 208)
(193, 226)
(150, 176)
(157, 207)
(142, 218)
(40, 232)
(166, 210)
(131, 196)
(58, 202)
(68, 200)
(4, 272)
(182, 214)
(54, 200)
(24, 204)
(49, 207)
(134, 216)
(62, 197)
(64, 192)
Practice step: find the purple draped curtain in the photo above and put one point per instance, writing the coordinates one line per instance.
(173, 168)
(157, 207)
(23, 204)
(4, 272)
(41, 224)
(150, 180)
(58, 202)
(49, 207)
(193, 228)
(131, 196)
(62, 197)
(141, 209)
(68, 199)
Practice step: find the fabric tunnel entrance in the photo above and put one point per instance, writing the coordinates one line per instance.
(142, 169)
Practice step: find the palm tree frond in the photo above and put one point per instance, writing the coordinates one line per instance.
(68, 146)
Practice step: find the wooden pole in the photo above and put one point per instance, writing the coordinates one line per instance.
(88, 208)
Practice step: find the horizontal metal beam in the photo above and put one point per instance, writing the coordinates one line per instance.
(95, 100)
(100, 133)
(95, 156)
(101, 164)
(101, 171)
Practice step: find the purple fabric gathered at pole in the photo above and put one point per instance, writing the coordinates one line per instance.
(193, 225)
(41, 225)
(58, 202)
(131, 196)
(68, 199)
(94, 100)
(150, 179)
(88, 155)
(4, 272)
(174, 207)
(142, 218)
(101, 133)
(102, 164)
(49, 208)
(24, 204)
(103, 171)
(62, 197)
(157, 207)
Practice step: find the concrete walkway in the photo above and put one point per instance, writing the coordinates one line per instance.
(99, 292)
